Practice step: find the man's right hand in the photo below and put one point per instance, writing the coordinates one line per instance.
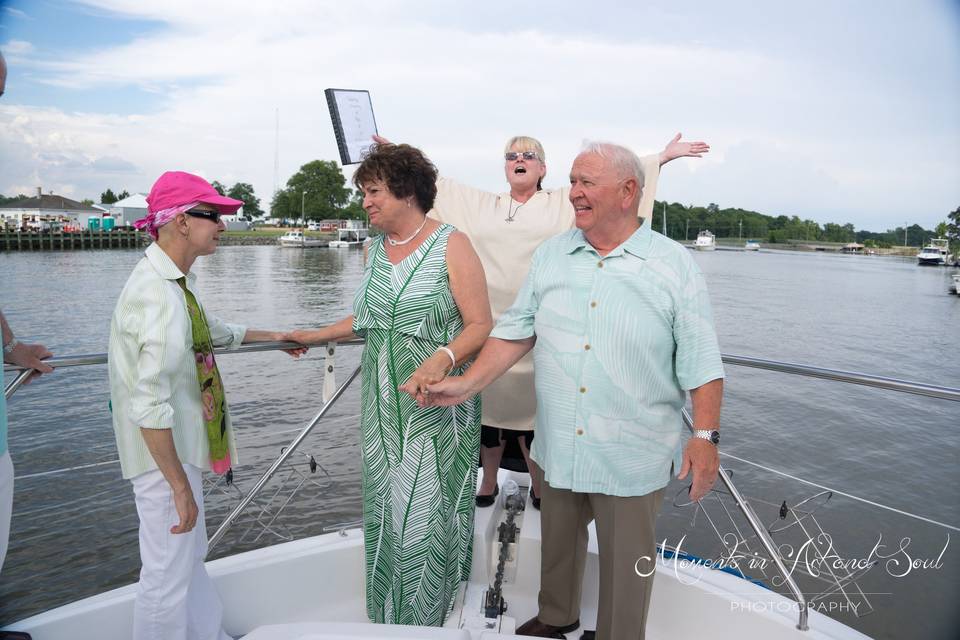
(448, 392)
(187, 510)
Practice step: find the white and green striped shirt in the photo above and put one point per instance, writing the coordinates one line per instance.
(620, 339)
(153, 374)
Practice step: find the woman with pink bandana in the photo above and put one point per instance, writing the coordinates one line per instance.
(170, 413)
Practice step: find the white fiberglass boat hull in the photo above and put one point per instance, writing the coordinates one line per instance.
(314, 589)
(705, 241)
(297, 240)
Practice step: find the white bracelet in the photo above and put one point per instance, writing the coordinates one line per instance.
(449, 352)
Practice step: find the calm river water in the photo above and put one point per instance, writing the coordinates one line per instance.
(74, 531)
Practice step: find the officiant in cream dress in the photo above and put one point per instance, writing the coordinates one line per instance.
(505, 229)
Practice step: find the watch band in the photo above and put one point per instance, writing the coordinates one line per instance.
(10, 346)
(710, 435)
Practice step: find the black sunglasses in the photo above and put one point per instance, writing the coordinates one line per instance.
(212, 216)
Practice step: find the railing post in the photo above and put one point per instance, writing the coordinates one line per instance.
(329, 372)
(763, 536)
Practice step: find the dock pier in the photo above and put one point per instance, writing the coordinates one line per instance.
(62, 241)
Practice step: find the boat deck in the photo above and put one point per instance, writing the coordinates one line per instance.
(313, 589)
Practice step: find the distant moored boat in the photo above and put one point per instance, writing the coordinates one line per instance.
(935, 253)
(297, 239)
(705, 241)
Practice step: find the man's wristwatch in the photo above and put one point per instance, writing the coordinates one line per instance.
(10, 346)
(706, 434)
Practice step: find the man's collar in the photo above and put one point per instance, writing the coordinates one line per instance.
(637, 244)
(164, 265)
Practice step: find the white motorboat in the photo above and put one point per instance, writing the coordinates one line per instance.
(955, 287)
(297, 239)
(935, 253)
(752, 245)
(705, 241)
(350, 237)
(313, 588)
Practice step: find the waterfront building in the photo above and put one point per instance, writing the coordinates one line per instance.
(46, 212)
(125, 211)
(852, 247)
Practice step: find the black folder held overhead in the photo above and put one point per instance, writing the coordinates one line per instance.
(353, 123)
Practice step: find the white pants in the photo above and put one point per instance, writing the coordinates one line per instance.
(6, 501)
(176, 599)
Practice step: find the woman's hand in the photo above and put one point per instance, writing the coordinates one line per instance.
(433, 370)
(288, 336)
(676, 149)
(30, 356)
(303, 336)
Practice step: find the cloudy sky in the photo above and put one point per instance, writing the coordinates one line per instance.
(843, 111)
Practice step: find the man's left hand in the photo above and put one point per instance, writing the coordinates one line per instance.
(702, 458)
(432, 370)
(30, 356)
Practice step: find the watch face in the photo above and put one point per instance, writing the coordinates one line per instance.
(715, 437)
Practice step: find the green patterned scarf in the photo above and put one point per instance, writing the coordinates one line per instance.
(211, 386)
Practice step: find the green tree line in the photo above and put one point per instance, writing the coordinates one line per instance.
(684, 222)
(318, 191)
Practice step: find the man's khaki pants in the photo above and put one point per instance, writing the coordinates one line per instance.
(626, 529)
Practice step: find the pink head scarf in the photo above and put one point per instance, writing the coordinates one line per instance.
(153, 221)
(172, 190)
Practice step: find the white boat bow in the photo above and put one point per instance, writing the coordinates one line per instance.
(313, 589)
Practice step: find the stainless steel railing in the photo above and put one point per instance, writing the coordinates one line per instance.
(879, 382)
(892, 384)
(287, 452)
(61, 362)
(851, 377)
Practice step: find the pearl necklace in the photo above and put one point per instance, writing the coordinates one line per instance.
(397, 243)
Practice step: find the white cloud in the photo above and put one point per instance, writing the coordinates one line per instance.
(789, 134)
(13, 48)
(17, 13)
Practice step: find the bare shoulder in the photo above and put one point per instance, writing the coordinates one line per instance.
(458, 238)
(460, 251)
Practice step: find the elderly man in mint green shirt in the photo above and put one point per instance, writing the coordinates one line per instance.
(619, 321)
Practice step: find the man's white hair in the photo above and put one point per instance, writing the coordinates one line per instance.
(624, 162)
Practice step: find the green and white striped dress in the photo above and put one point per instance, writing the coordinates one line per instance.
(419, 465)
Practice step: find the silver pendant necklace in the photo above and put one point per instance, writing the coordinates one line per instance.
(397, 243)
(512, 213)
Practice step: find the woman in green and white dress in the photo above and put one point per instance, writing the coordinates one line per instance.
(423, 309)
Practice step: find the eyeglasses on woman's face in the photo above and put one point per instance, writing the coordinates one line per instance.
(516, 155)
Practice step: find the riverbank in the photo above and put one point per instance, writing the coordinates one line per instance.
(735, 244)
(127, 238)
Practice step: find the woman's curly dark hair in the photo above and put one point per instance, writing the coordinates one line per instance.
(404, 169)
